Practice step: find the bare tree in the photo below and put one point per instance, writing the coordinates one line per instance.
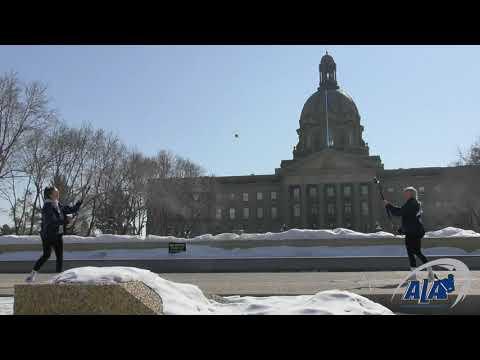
(471, 157)
(22, 110)
(107, 154)
(36, 161)
(16, 190)
(470, 212)
(180, 199)
(36, 149)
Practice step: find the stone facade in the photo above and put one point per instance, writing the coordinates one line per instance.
(328, 183)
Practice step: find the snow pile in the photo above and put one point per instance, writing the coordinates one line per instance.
(330, 302)
(6, 305)
(292, 234)
(73, 239)
(187, 299)
(177, 298)
(451, 232)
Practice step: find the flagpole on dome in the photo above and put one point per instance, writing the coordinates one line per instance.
(326, 110)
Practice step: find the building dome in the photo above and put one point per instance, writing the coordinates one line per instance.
(341, 107)
(329, 117)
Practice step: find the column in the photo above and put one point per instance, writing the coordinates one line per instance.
(356, 208)
(321, 205)
(303, 204)
(339, 205)
(285, 206)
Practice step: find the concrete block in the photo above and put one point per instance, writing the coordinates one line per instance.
(129, 298)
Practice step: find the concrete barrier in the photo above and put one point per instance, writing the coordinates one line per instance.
(256, 264)
(130, 298)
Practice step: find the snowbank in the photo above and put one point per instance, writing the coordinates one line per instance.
(72, 239)
(293, 234)
(451, 232)
(6, 305)
(187, 299)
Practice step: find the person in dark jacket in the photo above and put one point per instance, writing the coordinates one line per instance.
(412, 226)
(54, 220)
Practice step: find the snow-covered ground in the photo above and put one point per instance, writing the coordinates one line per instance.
(208, 246)
(293, 234)
(187, 299)
(205, 251)
(6, 305)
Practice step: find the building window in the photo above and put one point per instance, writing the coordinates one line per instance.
(312, 191)
(364, 189)
(232, 196)
(421, 190)
(273, 195)
(259, 195)
(348, 208)
(259, 213)
(364, 208)
(296, 210)
(331, 141)
(196, 196)
(347, 191)
(218, 197)
(390, 189)
(245, 196)
(274, 213)
(314, 210)
(218, 213)
(330, 191)
(231, 212)
(331, 209)
(296, 194)
(246, 213)
(438, 204)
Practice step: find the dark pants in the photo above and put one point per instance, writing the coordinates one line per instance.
(57, 246)
(414, 247)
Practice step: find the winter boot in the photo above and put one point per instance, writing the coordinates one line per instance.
(31, 278)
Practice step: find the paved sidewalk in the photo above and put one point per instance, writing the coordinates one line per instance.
(264, 284)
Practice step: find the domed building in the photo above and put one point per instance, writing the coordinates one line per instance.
(328, 183)
(329, 118)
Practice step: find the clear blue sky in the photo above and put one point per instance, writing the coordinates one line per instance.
(191, 99)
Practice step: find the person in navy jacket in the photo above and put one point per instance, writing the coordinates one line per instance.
(54, 219)
(412, 226)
